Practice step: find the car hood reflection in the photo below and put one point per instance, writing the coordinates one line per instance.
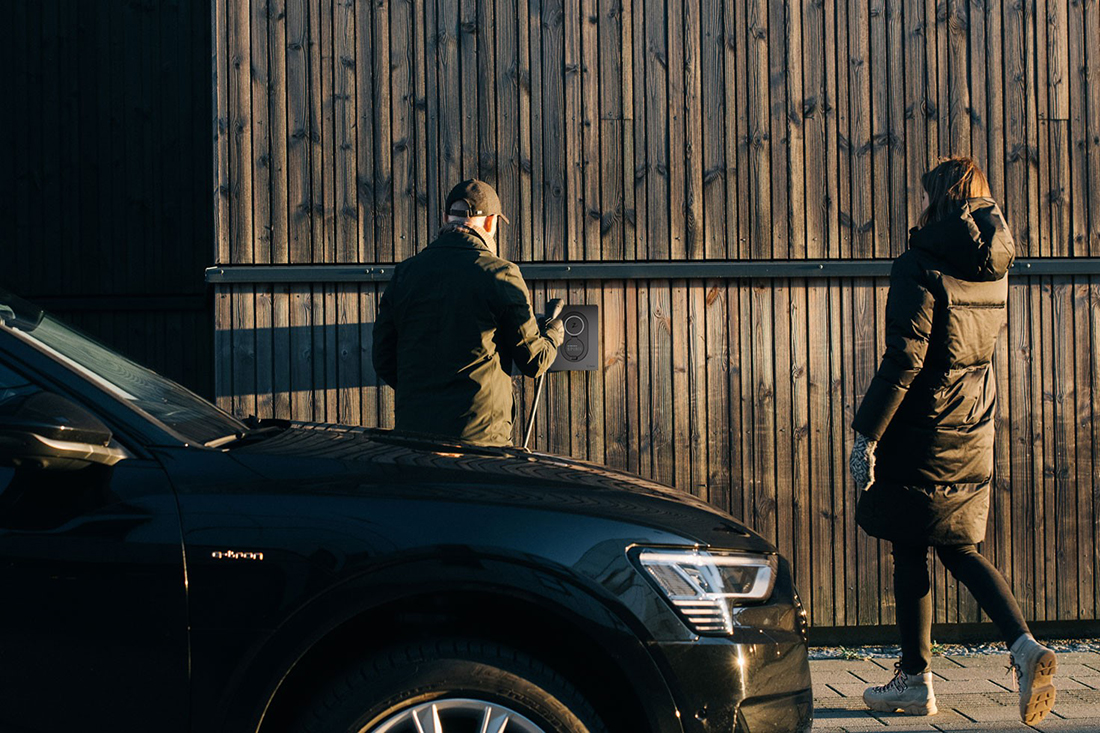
(341, 460)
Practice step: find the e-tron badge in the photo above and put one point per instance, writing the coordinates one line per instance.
(580, 350)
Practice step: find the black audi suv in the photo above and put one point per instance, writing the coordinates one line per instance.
(165, 566)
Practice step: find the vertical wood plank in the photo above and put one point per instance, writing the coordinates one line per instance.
(682, 365)
(823, 486)
(862, 213)
(779, 117)
(487, 72)
(466, 35)
(798, 419)
(240, 137)
(260, 171)
(615, 374)
(507, 147)
(279, 134)
(1085, 459)
(720, 424)
(281, 355)
(263, 334)
(320, 84)
(403, 81)
(612, 155)
(738, 434)
(426, 183)
(344, 100)
(533, 126)
(656, 149)
(220, 80)
(384, 228)
(555, 232)
(299, 191)
(596, 423)
(812, 111)
(896, 181)
(450, 107)
(758, 133)
(764, 457)
(676, 40)
(716, 162)
(634, 146)
(587, 200)
(661, 386)
(635, 434)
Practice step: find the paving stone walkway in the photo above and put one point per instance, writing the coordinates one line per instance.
(973, 693)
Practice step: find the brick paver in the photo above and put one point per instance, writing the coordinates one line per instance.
(973, 693)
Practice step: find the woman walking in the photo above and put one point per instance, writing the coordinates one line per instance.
(923, 452)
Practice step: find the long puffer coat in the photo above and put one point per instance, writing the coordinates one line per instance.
(931, 403)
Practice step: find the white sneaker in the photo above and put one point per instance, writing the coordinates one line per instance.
(1033, 666)
(906, 693)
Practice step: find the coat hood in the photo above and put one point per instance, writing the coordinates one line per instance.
(974, 241)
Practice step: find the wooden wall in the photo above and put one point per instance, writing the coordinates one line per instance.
(685, 130)
(105, 176)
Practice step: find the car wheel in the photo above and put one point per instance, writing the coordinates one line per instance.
(451, 686)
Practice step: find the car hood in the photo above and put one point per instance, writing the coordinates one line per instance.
(305, 456)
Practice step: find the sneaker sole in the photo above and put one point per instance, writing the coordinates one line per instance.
(915, 708)
(1040, 701)
(1038, 704)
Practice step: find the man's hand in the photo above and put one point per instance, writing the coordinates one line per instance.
(862, 461)
(554, 307)
(549, 323)
(555, 331)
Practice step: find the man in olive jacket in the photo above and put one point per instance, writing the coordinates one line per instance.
(453, 320)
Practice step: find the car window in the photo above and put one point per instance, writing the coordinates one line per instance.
(14, 386)
(176, 407)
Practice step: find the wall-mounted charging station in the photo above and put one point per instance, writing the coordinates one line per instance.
(580, 350)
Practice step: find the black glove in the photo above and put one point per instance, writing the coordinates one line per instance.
(555, 331)
(549, 323)
(553, 309)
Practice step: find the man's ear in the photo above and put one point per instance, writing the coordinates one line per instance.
(491, 224)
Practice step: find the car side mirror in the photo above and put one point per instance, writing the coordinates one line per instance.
(46, 430)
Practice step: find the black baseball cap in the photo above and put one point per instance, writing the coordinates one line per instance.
(479, 197)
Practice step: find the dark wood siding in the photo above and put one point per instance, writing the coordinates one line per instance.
(672, 130)
(105, 213)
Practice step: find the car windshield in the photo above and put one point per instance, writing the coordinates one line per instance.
(176, 407)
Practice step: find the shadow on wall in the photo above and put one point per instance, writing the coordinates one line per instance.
(293, 359)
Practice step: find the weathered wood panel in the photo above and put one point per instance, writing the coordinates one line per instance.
(816, 122)
(685, 129)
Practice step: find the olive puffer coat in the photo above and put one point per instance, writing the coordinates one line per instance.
(930, 405)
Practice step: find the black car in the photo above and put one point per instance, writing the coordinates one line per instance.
(165, 566)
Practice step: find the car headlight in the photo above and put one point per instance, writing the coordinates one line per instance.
(705, 585)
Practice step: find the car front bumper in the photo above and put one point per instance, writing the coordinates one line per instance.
(754, 682)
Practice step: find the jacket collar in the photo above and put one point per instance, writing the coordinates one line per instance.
(461, 236)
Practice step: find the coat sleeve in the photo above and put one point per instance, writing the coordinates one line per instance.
(909, 311)
(384, 342)
(517, 331)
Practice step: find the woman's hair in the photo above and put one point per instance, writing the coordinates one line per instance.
(949, 185)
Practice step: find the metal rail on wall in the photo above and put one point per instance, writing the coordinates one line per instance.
(382, 272)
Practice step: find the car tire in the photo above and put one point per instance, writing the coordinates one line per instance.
(459, 684)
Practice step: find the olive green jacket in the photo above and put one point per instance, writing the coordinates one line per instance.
(451, 323)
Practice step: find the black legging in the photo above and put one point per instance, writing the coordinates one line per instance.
(913, 593)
